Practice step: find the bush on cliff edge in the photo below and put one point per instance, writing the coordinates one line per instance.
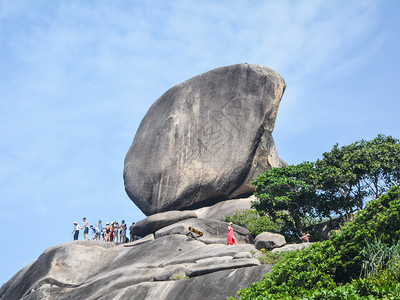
(332, 268)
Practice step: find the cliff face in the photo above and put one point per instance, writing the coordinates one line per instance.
(205, 139)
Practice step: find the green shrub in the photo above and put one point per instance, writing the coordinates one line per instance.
(332, 266)
(380, 219)
(383, 285)
(377, 256)
(177, 276)
(255, 222)
(271, 258)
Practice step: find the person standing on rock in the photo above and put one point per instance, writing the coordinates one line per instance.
(122, 233)
(107, 231)
(76, 230)
(131, 235)
(85, 229)
(93, 232)
(100, 226)
(231, 238)
(98, 232)
(116, 227)
(111, 233)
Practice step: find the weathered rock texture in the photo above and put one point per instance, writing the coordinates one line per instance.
(291, 247)
(155, 222)
(170, 267)
(269, 240)
(164, 265)
(205, 139)
(214, 231)
(225, 208)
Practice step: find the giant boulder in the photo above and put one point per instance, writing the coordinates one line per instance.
(205, 139)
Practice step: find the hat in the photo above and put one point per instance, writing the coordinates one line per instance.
(108, 223)
(75, 222)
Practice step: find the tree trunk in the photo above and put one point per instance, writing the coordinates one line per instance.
(297, 223)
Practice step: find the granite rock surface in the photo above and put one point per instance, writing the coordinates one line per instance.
(269, 240)
(205, 140)
(169, 267)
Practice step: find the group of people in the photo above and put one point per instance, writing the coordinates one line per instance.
(112, 232)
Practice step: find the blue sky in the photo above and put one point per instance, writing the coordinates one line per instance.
(77, 77)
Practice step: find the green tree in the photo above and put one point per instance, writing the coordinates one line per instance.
(336, 185)
(365, 168)
(381, 160)
(287, 193)
(339, 181)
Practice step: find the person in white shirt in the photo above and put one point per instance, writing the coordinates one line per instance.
(76, 230)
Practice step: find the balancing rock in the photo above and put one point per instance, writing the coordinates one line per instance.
(205, 140)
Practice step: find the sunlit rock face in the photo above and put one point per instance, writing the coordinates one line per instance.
(200, 143)
(149, 270)
(205, 139)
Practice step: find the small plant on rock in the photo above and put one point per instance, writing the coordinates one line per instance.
(271, 258)
(177, 276)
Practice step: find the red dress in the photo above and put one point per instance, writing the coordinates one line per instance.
(230, 240)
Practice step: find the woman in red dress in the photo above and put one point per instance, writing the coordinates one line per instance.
(231, 238)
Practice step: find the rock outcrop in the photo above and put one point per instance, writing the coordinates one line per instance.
(224, 208)
(201, 142)
(291, 247)
(168, 267)
(269, 240)
(205, 139)
(214, 231)
(155, 222)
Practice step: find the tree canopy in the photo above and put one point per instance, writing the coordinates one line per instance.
(338, 184)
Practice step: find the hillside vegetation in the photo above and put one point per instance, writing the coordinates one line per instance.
(359, 261)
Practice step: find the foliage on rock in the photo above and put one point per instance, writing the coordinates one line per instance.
(256, 222)
(331, 269)
(271, 258)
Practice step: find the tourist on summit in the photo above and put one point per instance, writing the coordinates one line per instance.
(93, 232)
(231, 238)
(98, 232)
(111, 235)
(100, 225)
(104, 235)
(76, 230)
(122, 233)
(116, 227)
(108, 232)
(131, 235)
(85, 229)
